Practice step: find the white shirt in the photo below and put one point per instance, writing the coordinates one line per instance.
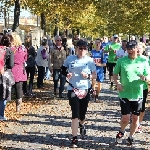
(39, 59)
(121, 53)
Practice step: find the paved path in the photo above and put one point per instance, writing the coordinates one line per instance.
(46, 126)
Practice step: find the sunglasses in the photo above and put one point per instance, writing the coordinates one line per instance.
(59, 40)
(82, 48)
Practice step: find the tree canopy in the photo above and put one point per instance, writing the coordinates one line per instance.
(93, 17)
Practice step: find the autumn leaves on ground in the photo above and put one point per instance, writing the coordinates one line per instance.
(43, 101)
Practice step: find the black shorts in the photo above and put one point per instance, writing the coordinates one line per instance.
(111, 68)
(131, 106)
(78, 106)
(145, 93)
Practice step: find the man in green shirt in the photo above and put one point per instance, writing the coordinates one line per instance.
(145, 88)
(111, 49)
(133, 71)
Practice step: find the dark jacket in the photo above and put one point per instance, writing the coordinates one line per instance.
(6, 80)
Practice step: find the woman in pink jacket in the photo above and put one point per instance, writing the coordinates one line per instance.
(19, 72)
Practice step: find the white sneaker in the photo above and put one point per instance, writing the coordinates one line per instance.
(3, 118)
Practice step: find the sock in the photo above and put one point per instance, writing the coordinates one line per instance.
(131, 136)
(74, 137)
(80, 125)
(111, 83)
(123, 131)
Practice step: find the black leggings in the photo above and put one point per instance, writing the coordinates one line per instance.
(31, 71)
(18, 89)
(78, 106)
(145, 93)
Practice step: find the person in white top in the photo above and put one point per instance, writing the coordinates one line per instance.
(122, 51)
(42, 59)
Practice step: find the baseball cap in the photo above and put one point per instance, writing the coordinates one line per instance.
(131, 44)
(115, 36)
(82, 43)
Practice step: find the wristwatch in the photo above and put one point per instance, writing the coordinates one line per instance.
(145, 79)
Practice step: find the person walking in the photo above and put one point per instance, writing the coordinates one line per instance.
(19, 72)
(42, 62)
(79, 69)
(30, 69)
(6, 77)
(57, 58)
(134, 71)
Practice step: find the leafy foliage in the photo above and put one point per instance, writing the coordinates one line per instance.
(96, 17)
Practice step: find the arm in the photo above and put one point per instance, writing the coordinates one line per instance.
(146, 75)
(101, 65)
(51, 60)
(116, 80)
(103, 60)
(10, 61)
(93, 74)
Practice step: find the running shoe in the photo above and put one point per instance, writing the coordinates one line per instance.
(139, 129)
(119, 137)
(74, 142)
(130, 141)
(82, 130)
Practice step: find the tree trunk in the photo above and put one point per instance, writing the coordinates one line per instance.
(43, 23)
(16, 15)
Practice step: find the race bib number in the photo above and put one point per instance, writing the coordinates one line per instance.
(80, 93)
(97, 60)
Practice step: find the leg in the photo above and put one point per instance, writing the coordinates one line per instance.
(74, 103)
(99, 87)
(136, 109)
(104, 71)
(55, 79)
(19, 95)
(25, 82)
(125, 111)
(2, 109)
(142, 113)
(62, 84)
(40, 77)
(32, 73)
(83, 104)
(111, 67)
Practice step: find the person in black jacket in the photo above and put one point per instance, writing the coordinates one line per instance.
(30, 69)
(6, 80)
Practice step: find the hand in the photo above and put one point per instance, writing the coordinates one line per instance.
(69, 75)
(84, 75)
(98, 64)
(119, 87)
(51, 70)
(142, 77)
(2, 71)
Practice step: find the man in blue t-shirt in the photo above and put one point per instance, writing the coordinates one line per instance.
(100, 61)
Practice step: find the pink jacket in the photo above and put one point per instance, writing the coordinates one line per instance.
(20, 56)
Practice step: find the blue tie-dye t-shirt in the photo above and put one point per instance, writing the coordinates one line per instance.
(77, 65)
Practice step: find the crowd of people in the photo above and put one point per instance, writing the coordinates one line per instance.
(84, 66)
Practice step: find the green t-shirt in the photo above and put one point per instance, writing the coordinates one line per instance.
(149, 62)
(131, 82)
(112, 48)
(145, 86)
